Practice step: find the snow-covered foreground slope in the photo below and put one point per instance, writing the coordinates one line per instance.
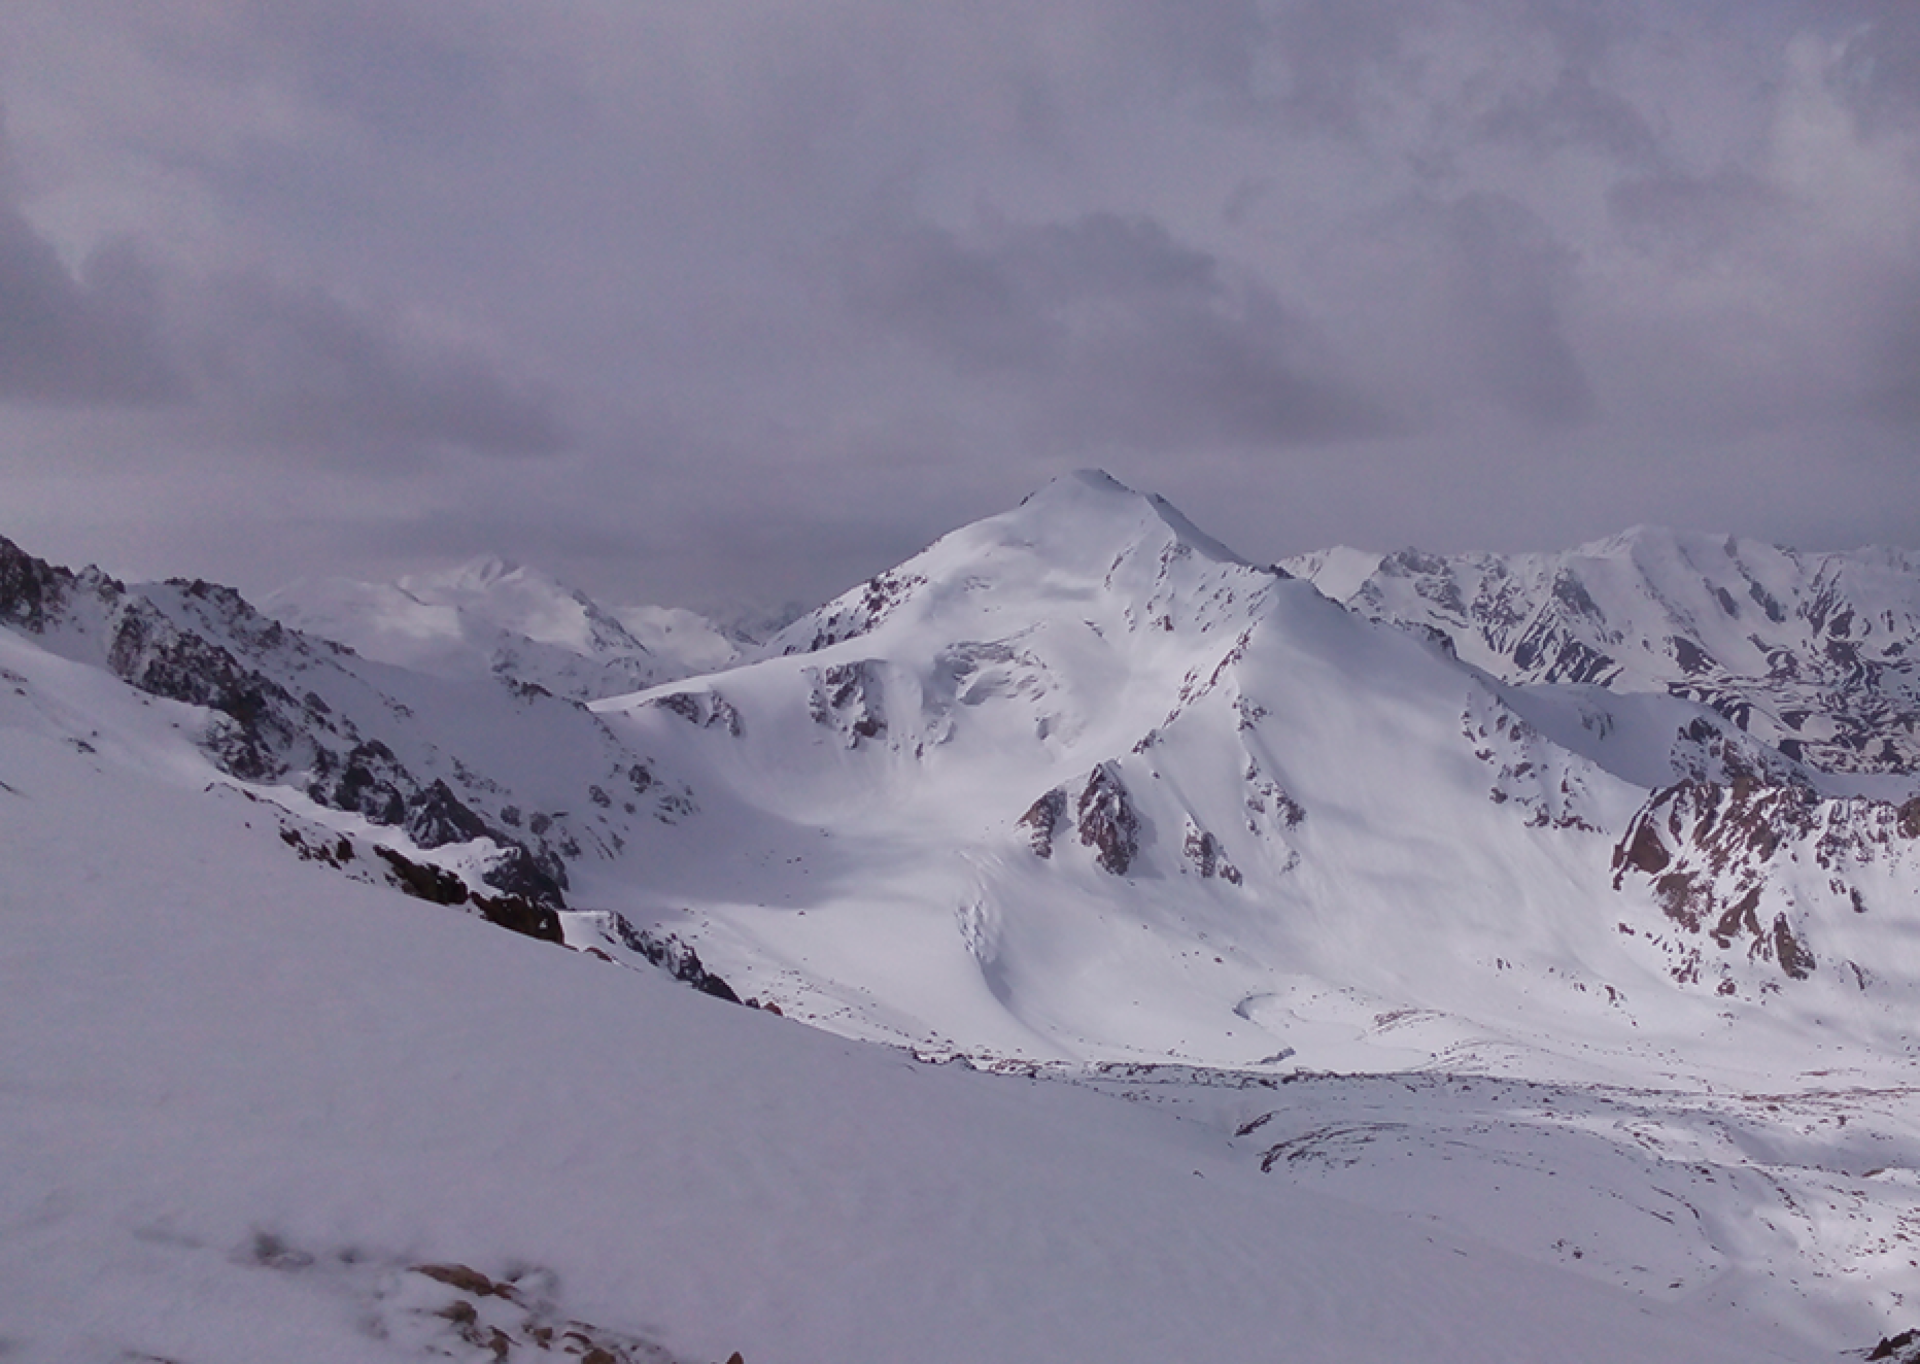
(251, 1110)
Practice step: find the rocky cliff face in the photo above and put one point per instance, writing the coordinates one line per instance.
(1748, 871)
(1107, 820)
(284, 709)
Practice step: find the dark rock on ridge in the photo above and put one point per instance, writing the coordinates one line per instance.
(203, 645)
(1108, 822)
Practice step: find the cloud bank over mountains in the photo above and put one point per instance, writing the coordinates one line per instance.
(660, 296)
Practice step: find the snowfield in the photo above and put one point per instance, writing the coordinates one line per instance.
(1176, 965)
(242, 1098)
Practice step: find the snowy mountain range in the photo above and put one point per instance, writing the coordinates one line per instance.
(494, 617)
(1809, 652)
(1556, 909)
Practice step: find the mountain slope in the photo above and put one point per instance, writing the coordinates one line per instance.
(1598, 977)
(1810, 653)
(1078, 782)
(254, 1111)
(513, 782)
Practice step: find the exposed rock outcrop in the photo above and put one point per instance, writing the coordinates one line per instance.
(704, 708)
(1205, 855)
(1749, 865)
(850, 699)
(1108, 822)
(670, 954)
(1042, 819)
(203, 645)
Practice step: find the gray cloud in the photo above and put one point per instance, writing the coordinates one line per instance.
(1370, 270)
(1573, 111)
(239, 356)
(299, 366)
(1508, 274)
(1117, 331)
(431, 74)
(1893, 366)
(1689, 219)
(1877, 69)
(80, 342)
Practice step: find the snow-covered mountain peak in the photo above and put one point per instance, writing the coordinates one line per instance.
(1084, 547)
(1093, 506)
(1074, 792)
(1644, 538)
(1808, 652)
(498, 592)
(1338, 571)
(475, 575)
(489, 616)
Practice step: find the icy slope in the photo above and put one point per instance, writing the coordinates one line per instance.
(1079, 782)
(255, 1111)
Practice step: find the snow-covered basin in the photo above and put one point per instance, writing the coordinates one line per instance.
(204, 1050)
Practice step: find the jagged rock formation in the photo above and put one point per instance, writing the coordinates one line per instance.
(1205, 855)
(850, 616)
(849, 698)
(666, 951)
(1810, 653)
(1900, 1348)
(288, 710)
(1108, 822)
(702, 707)
(1043, 818)
(1536, 777)
(1750, 865)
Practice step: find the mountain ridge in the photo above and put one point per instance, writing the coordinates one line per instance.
(1078, 795)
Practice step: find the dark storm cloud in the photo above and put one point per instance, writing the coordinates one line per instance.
(299, 366)
(797, 281)
(79, 342)
(1688, 219)
(1115, 330)
(241, 356)
(1506, 274)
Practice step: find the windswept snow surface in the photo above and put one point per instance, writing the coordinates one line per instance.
(241, 1098)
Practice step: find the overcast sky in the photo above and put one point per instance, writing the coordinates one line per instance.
(695, 302)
